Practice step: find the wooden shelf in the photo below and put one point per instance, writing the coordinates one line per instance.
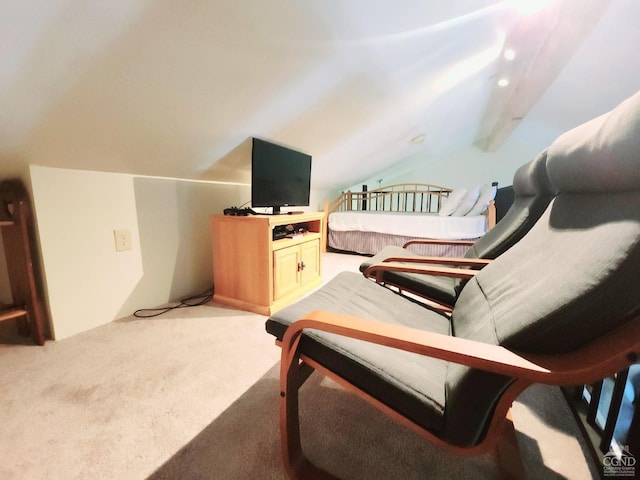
(297, 240)
(18, 237)
(12, 312)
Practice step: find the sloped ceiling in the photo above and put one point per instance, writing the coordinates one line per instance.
(171, 87)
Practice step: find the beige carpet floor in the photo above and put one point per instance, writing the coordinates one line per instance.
(193, 395)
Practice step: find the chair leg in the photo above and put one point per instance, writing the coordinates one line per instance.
(508, 452)
(294, 460)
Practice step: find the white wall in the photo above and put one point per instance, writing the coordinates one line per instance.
(88, 283)
(175, 237)
(86, 280)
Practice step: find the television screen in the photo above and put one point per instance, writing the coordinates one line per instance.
(280, 176)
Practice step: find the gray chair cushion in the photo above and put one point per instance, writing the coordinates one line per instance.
(574, 276)
(410, 384)
(532, 193)
(604, 151)
(582, 259)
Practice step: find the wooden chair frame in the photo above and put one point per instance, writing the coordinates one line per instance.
(600, 358)
(460, 261)
(402, 264)
(376, 271)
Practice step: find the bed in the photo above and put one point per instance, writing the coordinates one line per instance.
(367, 221)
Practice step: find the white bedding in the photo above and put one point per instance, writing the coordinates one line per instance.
(418, 225)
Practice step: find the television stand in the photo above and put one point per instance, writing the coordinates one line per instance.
(255, 272)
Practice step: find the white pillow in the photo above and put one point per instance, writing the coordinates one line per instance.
(468, 202)
(487, 193)
(452, 201)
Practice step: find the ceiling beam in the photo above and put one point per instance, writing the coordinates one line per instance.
(543, 44)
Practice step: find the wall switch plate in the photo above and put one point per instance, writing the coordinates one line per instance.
(123, 240)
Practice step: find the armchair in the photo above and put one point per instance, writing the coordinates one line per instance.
(533, 192)
(560, 307)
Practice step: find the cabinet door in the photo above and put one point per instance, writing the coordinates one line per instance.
(310, 257)
(286, 275)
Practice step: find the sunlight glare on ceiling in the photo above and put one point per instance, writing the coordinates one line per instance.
(466, 19)
(467, 67)
(529, 7)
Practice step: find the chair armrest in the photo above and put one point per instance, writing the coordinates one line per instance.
(435, 241)
(377, 270)
(460, 261)
(600, 358)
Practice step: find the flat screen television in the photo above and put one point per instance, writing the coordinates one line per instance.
(280, 176)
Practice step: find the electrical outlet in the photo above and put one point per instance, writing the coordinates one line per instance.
(123, 240)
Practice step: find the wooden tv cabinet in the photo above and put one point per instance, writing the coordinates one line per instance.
(252, 271)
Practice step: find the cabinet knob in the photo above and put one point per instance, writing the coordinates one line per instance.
(301, 266)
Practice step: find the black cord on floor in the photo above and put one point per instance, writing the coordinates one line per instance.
(192, 301)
